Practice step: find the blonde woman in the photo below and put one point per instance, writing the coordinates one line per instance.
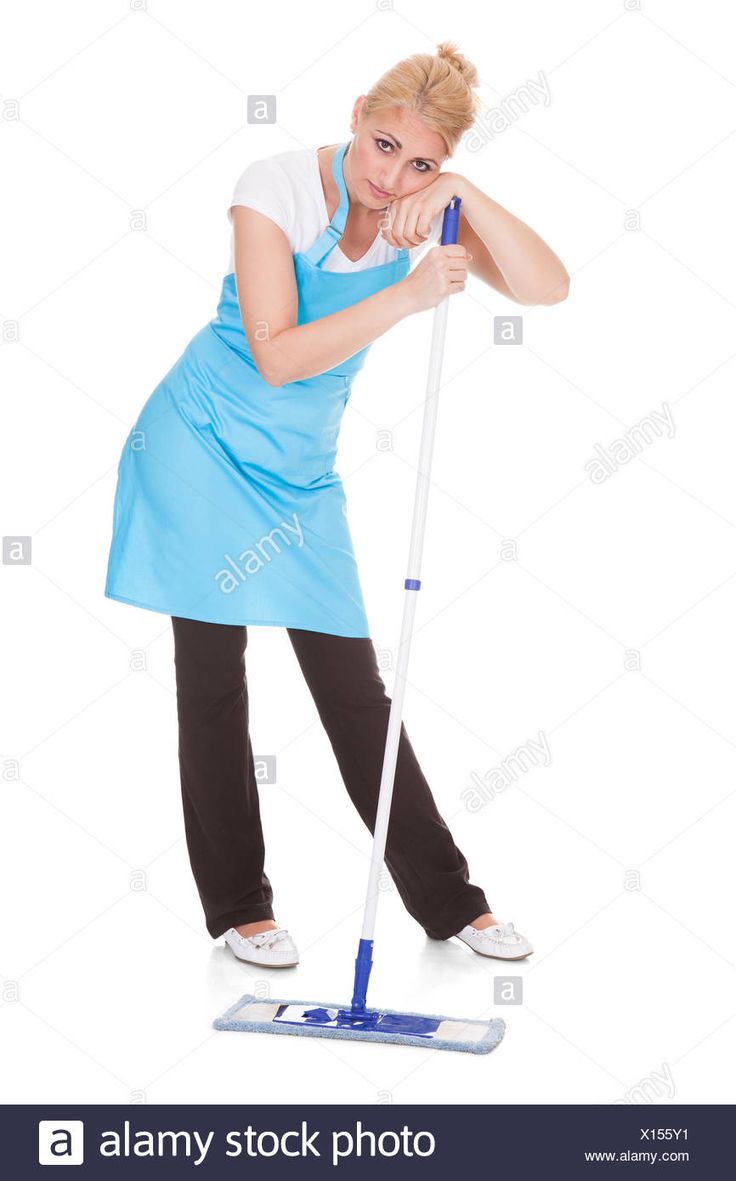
(229, 512)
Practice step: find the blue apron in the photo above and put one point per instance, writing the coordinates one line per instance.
(228, 508)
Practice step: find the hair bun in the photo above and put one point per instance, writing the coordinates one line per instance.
(448, 51)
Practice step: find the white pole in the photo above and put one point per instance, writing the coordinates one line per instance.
(393, 734)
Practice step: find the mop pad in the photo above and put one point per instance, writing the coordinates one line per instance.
(323, 1019)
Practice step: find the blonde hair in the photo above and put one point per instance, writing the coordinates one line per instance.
(435, 87)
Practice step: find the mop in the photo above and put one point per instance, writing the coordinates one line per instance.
(325, 1018)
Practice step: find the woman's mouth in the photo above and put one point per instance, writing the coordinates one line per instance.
(378, 192)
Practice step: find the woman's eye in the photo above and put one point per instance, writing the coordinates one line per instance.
(425, 166)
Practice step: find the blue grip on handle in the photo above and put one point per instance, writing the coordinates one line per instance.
(450, 222)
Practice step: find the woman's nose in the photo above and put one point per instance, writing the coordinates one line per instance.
(390, 179)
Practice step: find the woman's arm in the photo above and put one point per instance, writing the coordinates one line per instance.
(267, 294)
(507, 254)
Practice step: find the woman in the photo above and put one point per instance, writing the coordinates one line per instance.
(228, 510)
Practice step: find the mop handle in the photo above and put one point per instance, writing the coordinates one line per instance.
(412, 584)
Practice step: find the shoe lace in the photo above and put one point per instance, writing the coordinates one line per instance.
(270, 938)
(502, 932)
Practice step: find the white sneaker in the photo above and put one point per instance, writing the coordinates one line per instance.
(268, 949)
(499, 940)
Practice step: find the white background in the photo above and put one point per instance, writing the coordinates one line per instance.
(109, 978)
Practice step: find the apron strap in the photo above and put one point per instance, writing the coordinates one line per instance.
(329, 238)
(335, 230)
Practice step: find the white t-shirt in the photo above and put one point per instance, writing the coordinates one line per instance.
(288, 189)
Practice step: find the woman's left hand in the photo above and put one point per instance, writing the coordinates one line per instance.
(409, 219)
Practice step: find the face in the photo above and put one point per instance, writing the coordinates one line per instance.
(392, 154)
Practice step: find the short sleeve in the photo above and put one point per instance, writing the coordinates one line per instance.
(265, 187)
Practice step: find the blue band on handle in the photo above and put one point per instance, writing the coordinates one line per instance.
(450, 222)
(363, 965)
(412, 583)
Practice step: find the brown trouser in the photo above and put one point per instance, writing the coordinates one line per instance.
(220, 795)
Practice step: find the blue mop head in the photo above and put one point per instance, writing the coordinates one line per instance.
(321, 1019)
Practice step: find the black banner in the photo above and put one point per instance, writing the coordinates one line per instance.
(423, 1141)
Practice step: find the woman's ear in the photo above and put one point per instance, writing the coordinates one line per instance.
(356, 112)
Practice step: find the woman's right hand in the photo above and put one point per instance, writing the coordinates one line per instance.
(442, 271)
